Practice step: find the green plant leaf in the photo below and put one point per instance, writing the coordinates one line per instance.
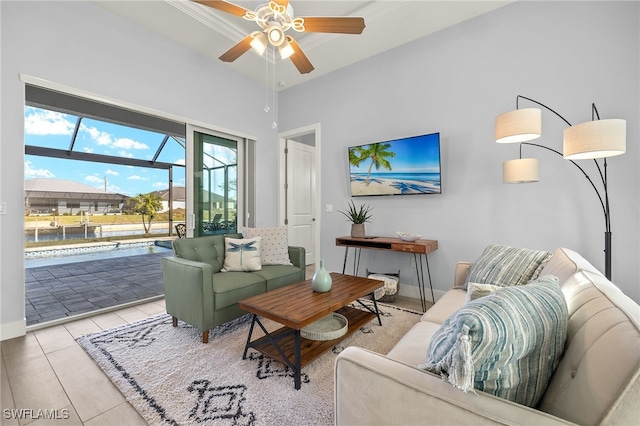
(357, 215)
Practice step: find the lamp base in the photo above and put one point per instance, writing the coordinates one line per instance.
(607, 255)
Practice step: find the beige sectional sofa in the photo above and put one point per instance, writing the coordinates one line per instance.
(597, 381)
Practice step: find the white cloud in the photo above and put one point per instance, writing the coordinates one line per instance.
(106, 139)
(180, 161)
(29, 172)
(125, 154)
(112, 172)
(87, 149)
(43, 122)
(94, 179)
(101, 138)
(159, 185)
(128, 144)
(136, 177)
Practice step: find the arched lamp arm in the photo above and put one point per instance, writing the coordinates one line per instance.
(594, 115)
(603, 176)
(605, 209)
(544, 106)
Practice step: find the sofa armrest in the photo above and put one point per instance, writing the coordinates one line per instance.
(188, 290)
(371, 389)
(297, 256)
(460, 274)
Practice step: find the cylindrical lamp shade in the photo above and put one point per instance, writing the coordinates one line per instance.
(520, 125)
(286, 50)
(595, 139)
(522, 170)
(259, 42)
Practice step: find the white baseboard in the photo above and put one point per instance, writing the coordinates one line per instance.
(13, 329)
(414, 292)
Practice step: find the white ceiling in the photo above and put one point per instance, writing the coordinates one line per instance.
(389, 23)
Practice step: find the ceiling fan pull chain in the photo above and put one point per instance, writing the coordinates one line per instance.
(266, 80)
(274, 124)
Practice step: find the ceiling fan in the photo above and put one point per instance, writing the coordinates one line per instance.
(274, 19)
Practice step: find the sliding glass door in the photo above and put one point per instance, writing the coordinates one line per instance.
(217, 183)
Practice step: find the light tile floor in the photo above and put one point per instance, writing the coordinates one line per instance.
(47, 369)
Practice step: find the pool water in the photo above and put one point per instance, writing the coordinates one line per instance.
(60, 256)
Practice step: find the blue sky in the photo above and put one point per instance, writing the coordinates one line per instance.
(55, 130)
(418, 154)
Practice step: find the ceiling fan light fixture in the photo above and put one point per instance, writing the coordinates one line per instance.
(275, 18)
(259, 42)
(286, 50)
(275, 35)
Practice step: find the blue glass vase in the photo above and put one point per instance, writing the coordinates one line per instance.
(321, 281)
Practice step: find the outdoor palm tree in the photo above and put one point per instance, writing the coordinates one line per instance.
(378, 153)
(147, 205)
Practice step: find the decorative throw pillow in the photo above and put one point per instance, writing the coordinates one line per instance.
(507, 344)
(506, 266)
(476, 290)
(275, 244)
(241, 255)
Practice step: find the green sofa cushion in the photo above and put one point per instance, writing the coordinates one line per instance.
(278, 276)
(231, 287)
(208, 249)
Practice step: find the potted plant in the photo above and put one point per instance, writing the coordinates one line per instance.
(357, 216)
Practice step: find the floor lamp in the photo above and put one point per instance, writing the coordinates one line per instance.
(595, 139)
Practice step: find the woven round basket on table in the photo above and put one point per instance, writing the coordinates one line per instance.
(330, 327)
(388, 293)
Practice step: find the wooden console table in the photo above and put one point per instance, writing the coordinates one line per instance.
(419, 249)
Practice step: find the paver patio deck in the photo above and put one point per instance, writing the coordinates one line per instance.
(59, 291)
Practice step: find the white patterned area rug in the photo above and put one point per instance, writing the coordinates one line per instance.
(172, 378)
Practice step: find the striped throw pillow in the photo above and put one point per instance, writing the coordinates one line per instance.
(507, 343)
(504, 266)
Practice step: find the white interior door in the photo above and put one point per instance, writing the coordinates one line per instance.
(301, 197)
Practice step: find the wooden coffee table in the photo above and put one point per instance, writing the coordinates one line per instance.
(296, 306)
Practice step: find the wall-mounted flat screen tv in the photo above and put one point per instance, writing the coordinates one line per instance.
(407, 166)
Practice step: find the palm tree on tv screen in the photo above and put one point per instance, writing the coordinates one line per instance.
(377, 152)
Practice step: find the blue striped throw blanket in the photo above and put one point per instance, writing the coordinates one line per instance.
(507, 343)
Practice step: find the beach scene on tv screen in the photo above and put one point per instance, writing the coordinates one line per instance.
(399, 167)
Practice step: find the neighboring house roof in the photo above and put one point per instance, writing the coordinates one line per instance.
(178, 193)
(61, 188)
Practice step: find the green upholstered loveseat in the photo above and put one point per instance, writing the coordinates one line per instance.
(198, 293)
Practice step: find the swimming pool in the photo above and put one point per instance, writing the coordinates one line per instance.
(59, 256)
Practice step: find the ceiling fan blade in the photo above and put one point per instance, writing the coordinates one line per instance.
(335, 24)
(224, 6)
(236, 51)
(284, 3)
(298, 58)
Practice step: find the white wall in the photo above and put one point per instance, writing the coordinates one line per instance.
(81, 45)
(564, 54)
